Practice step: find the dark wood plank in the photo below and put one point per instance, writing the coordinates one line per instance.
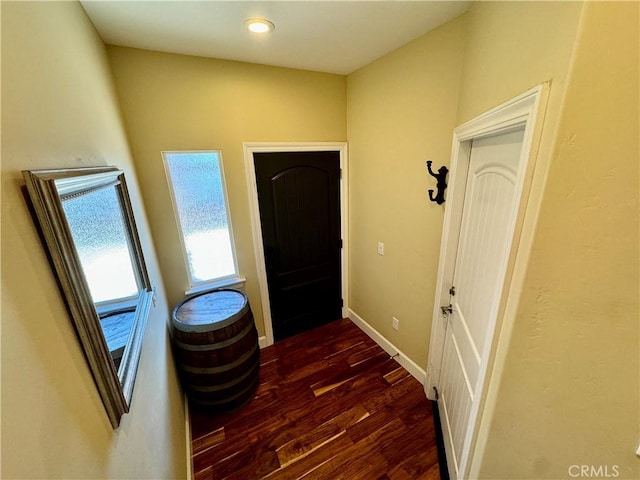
(314, 438)
(331, 404)
(307, 466)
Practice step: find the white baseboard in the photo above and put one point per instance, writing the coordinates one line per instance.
(415, 371)
(262, 342)
(187, 427)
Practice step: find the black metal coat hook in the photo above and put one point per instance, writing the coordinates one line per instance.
(441, 184)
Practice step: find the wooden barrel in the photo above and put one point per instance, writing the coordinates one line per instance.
(116, 327)
(216, 348)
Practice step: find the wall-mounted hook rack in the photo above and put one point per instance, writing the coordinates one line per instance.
(441, 183)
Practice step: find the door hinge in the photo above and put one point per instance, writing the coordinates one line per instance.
(446, 310)
(437, 394)
(341, 303)
(452, 291)
(340, 243)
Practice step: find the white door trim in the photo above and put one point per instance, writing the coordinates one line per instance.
(249, 148)
(523, 110)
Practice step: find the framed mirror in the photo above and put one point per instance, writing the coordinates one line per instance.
(89, 230)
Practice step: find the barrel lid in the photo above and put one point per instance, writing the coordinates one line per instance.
(210, 311)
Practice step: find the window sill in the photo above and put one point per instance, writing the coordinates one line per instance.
(236, 282)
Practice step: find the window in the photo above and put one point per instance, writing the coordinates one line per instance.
(98, 231)
(196, 182)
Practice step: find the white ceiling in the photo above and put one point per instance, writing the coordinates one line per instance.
(326, 36)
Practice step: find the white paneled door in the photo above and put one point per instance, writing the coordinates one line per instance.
(490, 199)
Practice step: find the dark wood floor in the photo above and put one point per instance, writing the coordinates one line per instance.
(331, 405)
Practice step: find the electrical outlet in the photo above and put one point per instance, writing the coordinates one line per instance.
(395, 323)
(380, 248)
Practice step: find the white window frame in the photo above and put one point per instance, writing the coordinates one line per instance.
(232, 280)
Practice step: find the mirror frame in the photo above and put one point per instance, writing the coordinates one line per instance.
(47, 189)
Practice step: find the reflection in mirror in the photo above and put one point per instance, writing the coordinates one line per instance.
(99, 234)
(89, 229)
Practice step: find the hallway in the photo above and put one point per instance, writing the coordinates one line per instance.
(331, 405)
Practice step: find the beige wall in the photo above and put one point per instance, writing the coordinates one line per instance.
(175, 102)
(512, 47)
(59, 109)
(570, 388)
(569, 347)
(401, 112)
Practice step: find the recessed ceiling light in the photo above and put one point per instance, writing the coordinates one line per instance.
(259, 25)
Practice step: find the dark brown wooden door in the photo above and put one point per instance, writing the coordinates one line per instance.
(299, 201)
